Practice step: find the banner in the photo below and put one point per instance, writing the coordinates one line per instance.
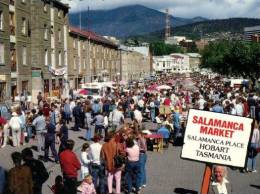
(216, 138)
(57, 72)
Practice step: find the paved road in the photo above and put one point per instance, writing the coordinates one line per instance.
(167, 173)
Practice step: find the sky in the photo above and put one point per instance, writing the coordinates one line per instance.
(212, 9)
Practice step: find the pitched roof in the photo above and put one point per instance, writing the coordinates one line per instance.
(92, 36)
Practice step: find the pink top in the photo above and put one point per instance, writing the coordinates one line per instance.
(88, 188)
(133, 153)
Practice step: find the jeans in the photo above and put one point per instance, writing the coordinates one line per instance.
(88, 135)
(97, 172)
(110, 177)
(6, 134)
(99, 129)
(50, 143)
(251, 162)
(77, 123)
(143, 159)
(40, 140)
(133, 175)
(67, 117)
(176, 132)
(16, 133)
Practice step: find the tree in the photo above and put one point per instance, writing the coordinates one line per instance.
(233, 58)
(159, 48)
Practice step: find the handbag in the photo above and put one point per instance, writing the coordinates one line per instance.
(119, 159)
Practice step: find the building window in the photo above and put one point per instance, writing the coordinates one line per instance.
(45, 32)
(60, 59)
(59, 35)
(2, 53)
(74, 63)
(83, 46)
(45, 7)
(46, 57)
(59, 13)
(84, 63)
(24, 26)
(1, 20)
(24, 56)
(74, 43)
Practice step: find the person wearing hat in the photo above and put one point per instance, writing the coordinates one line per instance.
(15, 124)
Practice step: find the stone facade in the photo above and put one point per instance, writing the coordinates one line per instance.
(49, 29)
(15, 36)
(5, 68)
(91, 58)
(135, 65)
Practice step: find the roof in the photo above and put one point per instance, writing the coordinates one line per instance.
(195, 55)
(252, 28)
(141, 49)
(92, 36)
(61, 4)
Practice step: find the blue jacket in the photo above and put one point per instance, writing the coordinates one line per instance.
(164, 132)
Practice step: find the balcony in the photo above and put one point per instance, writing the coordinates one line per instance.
(11, 6)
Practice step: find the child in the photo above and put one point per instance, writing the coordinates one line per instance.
(87, 186)
(84, 159)
(58, 188)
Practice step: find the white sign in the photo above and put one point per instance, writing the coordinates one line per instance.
(216, 138)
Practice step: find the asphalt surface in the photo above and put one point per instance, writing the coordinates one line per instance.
(167, 173)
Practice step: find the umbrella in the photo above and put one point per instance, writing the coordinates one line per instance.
(83, 92)
(152, 87)
(164, 87)
(122, 82)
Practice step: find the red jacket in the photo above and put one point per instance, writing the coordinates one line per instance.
(69, 164)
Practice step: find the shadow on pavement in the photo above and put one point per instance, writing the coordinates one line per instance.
(255, 186)
(184, 191)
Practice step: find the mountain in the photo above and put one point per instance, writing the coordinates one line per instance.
(126, 21)
(221, 28)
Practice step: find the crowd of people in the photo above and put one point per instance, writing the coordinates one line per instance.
(116, 138)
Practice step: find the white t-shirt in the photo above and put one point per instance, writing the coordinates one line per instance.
(201, 103)
(239, 109)
(94, 153)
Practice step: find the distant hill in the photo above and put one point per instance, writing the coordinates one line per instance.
(209, 28)
(127, 21)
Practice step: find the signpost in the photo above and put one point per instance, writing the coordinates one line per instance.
(216, 138)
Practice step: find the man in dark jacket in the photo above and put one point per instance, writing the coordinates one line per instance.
(50, 142)
(77, 113)
(39, 172)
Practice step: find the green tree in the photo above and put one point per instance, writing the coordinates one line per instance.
(159, 48)
(233, 58)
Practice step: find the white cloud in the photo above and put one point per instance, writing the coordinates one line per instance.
(180, 8)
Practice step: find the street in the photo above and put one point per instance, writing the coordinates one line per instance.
(167, 173)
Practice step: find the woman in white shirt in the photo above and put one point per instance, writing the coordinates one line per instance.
(84, 159)
(220, 184)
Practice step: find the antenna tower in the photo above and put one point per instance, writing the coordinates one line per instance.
(168, 27)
